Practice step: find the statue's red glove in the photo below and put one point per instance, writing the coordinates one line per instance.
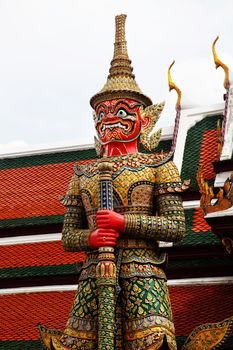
(109, 219)
(103, 238)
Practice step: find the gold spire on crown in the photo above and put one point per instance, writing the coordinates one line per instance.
(219, 63)
(120, 82)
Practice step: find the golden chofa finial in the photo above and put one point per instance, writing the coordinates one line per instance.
(219, 63)
(173, 86)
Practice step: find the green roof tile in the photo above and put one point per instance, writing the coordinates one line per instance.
(191, 263)
(31, 221)
(71, 269)
(196, 238)
(192, 238)
(193, 146)
(47, 158)
(21, 345)
(33, 271)
(61, 157)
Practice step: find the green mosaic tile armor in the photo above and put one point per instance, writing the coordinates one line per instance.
(143, 315)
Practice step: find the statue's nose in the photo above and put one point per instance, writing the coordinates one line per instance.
(109, 116)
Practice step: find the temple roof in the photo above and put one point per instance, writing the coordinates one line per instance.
(31, 186)
(37, 254)
(200, 150)
(191, 305)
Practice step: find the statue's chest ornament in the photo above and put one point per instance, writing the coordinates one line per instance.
(140, 193)
(133, 180)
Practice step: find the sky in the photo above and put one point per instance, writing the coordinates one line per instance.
(55, 55)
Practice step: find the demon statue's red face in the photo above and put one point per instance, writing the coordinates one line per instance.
(117, 120)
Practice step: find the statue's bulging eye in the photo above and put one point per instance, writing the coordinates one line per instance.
(100, 117)
(94, 116)
(122, 113)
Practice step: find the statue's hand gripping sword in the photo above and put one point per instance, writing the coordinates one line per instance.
(106, 268)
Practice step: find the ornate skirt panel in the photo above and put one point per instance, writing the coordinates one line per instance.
(147, 314)
(143, 316)
(81, 328)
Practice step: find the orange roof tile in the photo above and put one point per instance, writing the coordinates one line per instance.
(209, 153)
(195, 305)
(34, 191)
(37, 254)
(192, 306)
(199, 223)
(20, 313)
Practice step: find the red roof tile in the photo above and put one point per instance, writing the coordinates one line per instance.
(199, 223)
(34, 191)
(195, 305)
(20, 313)
(37, 254)
(192, 306)
(209, 153)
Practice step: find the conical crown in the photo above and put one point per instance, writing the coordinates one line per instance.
(120, 82)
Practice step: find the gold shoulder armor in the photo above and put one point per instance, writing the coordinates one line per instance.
(72, 196)
(168, 179)
(167, 172)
